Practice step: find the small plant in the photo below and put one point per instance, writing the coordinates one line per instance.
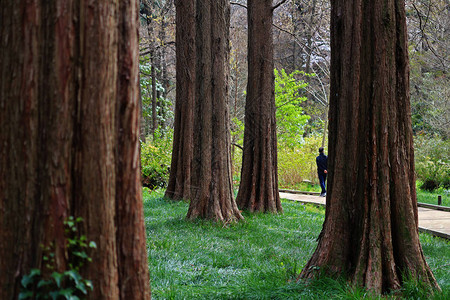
(156, 155)
(432, 162)
(68, 284)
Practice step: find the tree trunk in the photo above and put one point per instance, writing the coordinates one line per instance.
(212, 190)
(179, 186)
(134, 281)
(154, 96)
(258, 190)
(69, 118)
(370, 234)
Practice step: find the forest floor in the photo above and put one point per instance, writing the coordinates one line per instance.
(258, 258)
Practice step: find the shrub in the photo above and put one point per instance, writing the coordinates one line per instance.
(299, 163)
(156, 155)
(432, 162)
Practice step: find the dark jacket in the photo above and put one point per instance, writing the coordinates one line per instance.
(321, 161)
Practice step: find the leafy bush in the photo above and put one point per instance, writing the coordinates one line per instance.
(299, 163)
(156, 155)
(432, 162)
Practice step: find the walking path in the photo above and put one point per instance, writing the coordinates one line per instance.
(435, 222)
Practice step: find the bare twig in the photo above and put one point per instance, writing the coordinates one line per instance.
(238, 4)
(279, 4)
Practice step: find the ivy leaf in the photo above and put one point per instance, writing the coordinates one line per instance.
(93, 245)
(25, 295)
(42, 283)
(67, 293)
(58, 278)
(27, 279)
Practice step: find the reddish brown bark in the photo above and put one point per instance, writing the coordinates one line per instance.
(179, 186)
(258, 190)
(69, 141)
(134, 281)
(370, 234)
(212, 194)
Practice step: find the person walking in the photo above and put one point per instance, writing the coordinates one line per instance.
(322, 171)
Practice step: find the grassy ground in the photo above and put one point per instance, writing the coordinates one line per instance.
(432, 197)
(258, 258)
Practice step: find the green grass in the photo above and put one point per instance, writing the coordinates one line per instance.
(303, 186)
(258, 258)
(432, 197)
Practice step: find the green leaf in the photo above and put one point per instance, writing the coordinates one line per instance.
(66, 293)
(27, 279)
(58, 278)
(42, 283)
(92, 244)
(25, 295)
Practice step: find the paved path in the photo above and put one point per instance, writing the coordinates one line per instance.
(432, 221)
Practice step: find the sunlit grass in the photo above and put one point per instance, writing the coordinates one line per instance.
(432, 197)
(258, 258)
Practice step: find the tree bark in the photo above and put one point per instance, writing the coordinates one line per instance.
(212, 193)
(370, 234)
(179, 186)
(258, 190)
(134, 281)
(69, 113)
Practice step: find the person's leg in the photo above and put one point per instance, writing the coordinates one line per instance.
(322, 183)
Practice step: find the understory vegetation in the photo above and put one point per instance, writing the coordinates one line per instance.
(258, 258)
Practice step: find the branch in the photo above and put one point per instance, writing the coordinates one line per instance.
(279, 4)
(238, 4)
(239, 146)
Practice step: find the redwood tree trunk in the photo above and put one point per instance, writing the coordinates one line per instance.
(370, 232)
(134, 281)
(258, 190)
(212, 196)
(69, 117)
(179, 186)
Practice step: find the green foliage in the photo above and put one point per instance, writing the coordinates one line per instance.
(69, 284)
(289, 114)
(156, 155)
(258, 258)
(432, 162)
(299, 163)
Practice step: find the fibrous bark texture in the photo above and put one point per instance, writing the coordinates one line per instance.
(258, 190)
(179, 186)
(69, 141)
(370, 234)
(212, 193)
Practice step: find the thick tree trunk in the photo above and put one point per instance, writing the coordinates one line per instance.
(134, 281)
(212, 196)
(179, 186)
(67, 146)
(258, 190)
(370, 232)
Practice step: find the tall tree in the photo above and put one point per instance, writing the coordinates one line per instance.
(212, 196)
(69, 142)
(258, 190)
(179, 186)
(370, 234)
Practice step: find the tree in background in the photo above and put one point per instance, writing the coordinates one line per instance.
(157, 64)
(212, 196)
(258, 189)
(179, 186)
(70, 124)
(370, 234)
